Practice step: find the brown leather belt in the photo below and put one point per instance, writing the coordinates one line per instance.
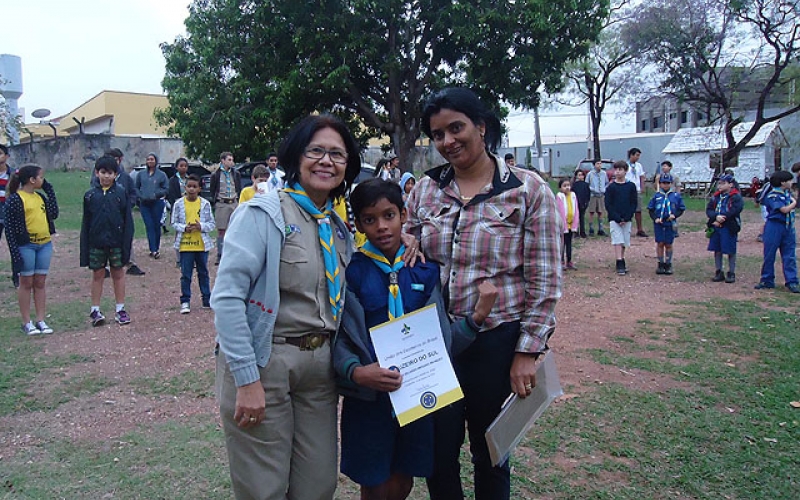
(227, 200)
(308, 342)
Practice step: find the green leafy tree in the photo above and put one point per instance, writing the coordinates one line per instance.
(246, 71)
(726, 58)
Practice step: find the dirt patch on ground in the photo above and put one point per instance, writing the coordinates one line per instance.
(598, 309)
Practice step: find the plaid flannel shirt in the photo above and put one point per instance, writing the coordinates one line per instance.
(508, 234)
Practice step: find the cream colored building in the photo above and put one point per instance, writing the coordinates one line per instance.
(109, 112)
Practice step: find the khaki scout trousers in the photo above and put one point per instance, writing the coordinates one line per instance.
(292, 454)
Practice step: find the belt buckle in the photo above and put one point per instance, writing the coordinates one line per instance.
(312, 341)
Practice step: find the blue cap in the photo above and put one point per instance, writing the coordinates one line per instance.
(726, 178)
(665, 178)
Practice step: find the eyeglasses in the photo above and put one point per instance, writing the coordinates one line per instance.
(318, 153)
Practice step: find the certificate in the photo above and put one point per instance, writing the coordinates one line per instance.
(414, 346)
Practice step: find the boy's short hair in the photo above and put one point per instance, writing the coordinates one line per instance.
(633, 151)
(780, 177)
(193, 177)
(4, 149)
(271, 155)
(224, 155)
(621, 164)
(371, 191)
(259, 171)
(667, 163)
(113, 152)
(106, 162)
(508, 156)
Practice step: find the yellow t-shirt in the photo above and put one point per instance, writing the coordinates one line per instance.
(340, 207)
(247, 194)
(35, 217)
(192, 242)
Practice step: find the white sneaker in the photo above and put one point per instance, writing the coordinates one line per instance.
(42, 326)
(30, 329)
(185, 308)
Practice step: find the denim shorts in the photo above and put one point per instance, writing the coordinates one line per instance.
(36, 258)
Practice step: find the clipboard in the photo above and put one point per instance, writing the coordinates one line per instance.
(518, 415)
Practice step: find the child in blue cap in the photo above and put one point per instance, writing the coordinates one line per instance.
(665, 207)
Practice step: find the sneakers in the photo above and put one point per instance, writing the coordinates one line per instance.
(30, 329)
(42, 326)
(762, 285)
(571, 266)
(97, 318)
(793, 287)
(718, 276)
(730, 278)
(206, 303)
(185, 308)
(134, 270)
(122, 317)
(600, 232)
(662, 268)
(621, 267)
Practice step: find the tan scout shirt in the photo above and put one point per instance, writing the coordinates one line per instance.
(305, 307)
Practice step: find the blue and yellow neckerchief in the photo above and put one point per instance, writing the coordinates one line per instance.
(326, 241)
(390, 268)
(786, 199)
(666, 208)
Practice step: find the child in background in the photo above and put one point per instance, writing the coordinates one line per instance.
(407, 183)
(581, 189)
(621, 200)
(193, 220)
(568, 208)
(598, 181)
(377, 453)
(779, 233)
(29, 216)
(665, 207)
(106, 237)
(258, 176)
(723, 210)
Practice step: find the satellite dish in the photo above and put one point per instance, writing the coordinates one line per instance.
(40, 113)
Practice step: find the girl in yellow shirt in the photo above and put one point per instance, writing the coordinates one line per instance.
(29, 216)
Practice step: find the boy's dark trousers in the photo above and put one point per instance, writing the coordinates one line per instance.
(581, 221)
(779, 236)
(188, 261)
(483, 371)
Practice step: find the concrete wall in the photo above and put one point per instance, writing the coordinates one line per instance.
(80, 152)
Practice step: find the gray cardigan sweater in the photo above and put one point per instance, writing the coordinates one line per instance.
(246, 294)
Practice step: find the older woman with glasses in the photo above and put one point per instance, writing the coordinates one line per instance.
(483, 220)
(278, 301)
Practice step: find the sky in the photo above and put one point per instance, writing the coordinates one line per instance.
(72, 50)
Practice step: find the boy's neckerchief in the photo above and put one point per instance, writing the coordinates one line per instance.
(667, 205)
(390, 268)
(326, 241)
(786, 198)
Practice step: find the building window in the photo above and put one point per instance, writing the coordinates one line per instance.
(656, 122)
(684, 116)
(644, 125)
(672, 116)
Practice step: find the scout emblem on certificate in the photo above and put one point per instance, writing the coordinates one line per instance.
(413, 345)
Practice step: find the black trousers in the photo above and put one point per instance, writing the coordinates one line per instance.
(483, 371)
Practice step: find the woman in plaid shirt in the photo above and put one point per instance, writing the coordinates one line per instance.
(482, 220)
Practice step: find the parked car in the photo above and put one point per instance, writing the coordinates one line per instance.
(588, 165)
(195, 168)
(367, 171)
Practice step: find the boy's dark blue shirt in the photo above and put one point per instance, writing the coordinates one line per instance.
(774, 201)
(371, 286)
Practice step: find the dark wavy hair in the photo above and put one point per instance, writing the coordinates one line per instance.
(22, 176)
(467, 102)
(291, 151)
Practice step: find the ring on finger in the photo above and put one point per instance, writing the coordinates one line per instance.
(252, 419)
(528, 387)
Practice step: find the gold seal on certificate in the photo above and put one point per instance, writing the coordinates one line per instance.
(414, 346)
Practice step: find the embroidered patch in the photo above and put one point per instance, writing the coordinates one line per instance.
(339, 233)
(291, 228)
(419, 287)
